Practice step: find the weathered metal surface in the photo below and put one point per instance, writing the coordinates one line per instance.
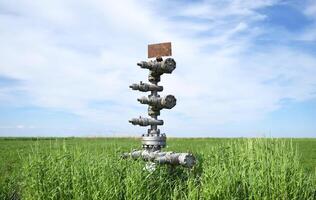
(153, 141)
(167, 102)
(159, 67)
(160, 49)
(145, 87)
(172, 158)
(145, 121)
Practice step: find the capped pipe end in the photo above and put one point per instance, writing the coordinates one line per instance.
(169, 101)
(187, 160)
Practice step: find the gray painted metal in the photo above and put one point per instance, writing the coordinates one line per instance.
(153, 141)
(145, 87)
(172, 158)
(145, 121)
(168, 101)
(159, 67)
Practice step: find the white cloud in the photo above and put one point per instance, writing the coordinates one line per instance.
(310, 9)
(75, 53)
(309, 34)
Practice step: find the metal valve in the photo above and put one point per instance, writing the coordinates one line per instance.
(168, 101)
(145, 87)
(145, 121)
(153, 140)
(159, 67)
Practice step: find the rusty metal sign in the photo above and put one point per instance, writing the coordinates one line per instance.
(160, 49)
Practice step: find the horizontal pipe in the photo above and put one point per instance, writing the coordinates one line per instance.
(165, 66)
(142, 121)
(145, 87)
(172, 158)
(168, 101)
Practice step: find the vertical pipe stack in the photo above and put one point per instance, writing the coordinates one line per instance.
(153, 141)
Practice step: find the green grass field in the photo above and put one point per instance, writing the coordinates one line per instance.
(74, 168)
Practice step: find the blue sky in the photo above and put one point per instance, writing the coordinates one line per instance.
(244, 68)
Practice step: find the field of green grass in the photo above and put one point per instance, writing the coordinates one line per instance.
(74, 168)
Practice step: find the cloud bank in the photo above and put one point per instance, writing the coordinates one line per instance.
(78, 57)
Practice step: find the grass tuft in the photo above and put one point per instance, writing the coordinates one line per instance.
(234, 169)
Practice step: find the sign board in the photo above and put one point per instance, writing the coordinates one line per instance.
(160, 49)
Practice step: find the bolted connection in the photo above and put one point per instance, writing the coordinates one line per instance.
(153, 140)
